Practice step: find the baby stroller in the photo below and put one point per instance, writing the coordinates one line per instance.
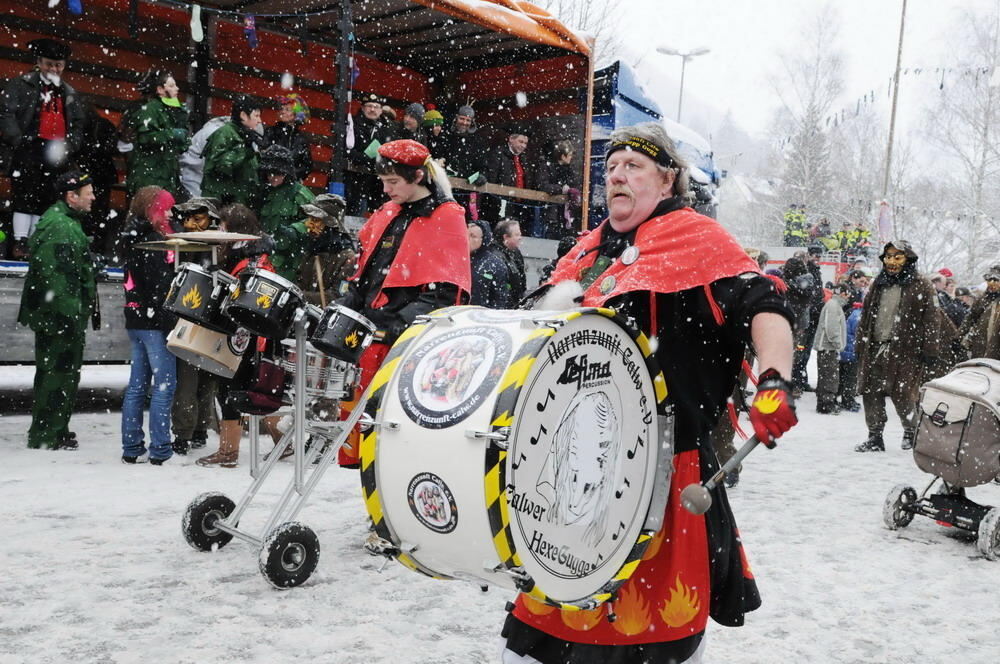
(957, 441)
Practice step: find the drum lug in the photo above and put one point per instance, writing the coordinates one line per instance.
(498, 437)
(554, 323)
(522, 579)
(428, 319)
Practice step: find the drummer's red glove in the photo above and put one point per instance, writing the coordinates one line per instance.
(772, 412)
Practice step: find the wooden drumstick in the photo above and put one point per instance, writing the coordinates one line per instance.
(696, 498)
(319, 279)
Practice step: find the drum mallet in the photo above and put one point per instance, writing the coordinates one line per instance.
(696, 498)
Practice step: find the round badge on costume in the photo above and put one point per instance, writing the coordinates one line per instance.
(432, 502)
(607, 284)
(630, 255)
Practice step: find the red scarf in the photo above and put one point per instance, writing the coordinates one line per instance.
(518, 172)
(433, 249)
(51, 117)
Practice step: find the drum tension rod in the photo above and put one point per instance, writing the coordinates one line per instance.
(499, 437)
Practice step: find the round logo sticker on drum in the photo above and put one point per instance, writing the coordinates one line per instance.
(239, 341)
(447, 378)
(432, 502)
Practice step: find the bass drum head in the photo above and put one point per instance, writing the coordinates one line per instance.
(582, 459)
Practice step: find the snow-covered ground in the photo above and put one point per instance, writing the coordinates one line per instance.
(93, 567)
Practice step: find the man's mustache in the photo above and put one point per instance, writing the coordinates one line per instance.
(614, 191)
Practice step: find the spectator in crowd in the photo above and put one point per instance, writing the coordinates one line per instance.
(805, 297)
(59, 296)
(822, 234)
(234, 258)
(859, 282)
(980, 332)
(97, 157)
(831, 339)
(334, 252)
(897, 340)
(371, 130)
(437, 138)
(231, 159)
(671, 291)
(283, 193)
(490, 278)
(293, 114)
(845, 237)
(148, 275)
(465, 157)
(414, 255)
(964, 295)
(43, 122)
(953, 308)
(507, 240)
(796, 231)
(319, 233)
(559, 177)
(389, 115)
(847, 392)
(410, 128)
(566, 243)
(192, 413)
(508, 166)
(159, 134)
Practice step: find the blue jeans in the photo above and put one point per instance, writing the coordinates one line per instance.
(150, 360)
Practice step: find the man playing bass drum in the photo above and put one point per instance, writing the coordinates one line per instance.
(414, 256)
(692, 289)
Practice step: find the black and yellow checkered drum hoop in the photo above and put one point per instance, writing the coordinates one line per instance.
(521, 449)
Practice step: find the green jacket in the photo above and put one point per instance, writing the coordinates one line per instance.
(160, 136)
(281, 205)
(292, 243)
(61, 286)
(230, 167)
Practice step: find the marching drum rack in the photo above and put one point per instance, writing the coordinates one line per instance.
(288, 551)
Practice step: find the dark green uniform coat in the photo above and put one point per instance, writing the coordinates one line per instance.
(230, 167)
(58, 298)
(281, 205)
(160, 135)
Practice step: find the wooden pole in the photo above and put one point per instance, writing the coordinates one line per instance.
(319, 280)
(895, 97)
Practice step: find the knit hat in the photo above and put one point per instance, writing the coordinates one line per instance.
(327, 207)
(277, 159)
(49, 48)
(433, 118)
(416, 111)
(467, 111)
(72, 180)
(299, 106)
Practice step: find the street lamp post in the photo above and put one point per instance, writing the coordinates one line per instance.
(684, 56)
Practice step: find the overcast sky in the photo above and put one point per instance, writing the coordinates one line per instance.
(745, 35)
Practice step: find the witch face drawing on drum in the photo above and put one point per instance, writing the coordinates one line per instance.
(578, 474)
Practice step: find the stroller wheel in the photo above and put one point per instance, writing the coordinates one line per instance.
(894, 512)
(289, 555)
(989, 535)
(200, 518)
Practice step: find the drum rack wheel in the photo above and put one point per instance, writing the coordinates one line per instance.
(200, 524)
(288, 551)
(289, 555)
(896, 511)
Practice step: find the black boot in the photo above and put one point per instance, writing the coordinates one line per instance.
(873, 444)
(908, 437)
(198, 440)
(181, 446)
(66, 441)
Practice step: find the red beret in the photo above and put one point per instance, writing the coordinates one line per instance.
(405, 152)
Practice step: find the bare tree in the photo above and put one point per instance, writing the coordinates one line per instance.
(808, 83)
(598, 18)
(963, 124)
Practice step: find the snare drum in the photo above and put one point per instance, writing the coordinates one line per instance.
(343, 333)
(521, 449)
(215, 352)
(196, 296)
(264, 303)
(326, 377)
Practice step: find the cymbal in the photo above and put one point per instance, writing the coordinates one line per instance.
(174, 244)
(213, 237)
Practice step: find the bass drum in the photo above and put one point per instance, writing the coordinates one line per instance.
(521, 449)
